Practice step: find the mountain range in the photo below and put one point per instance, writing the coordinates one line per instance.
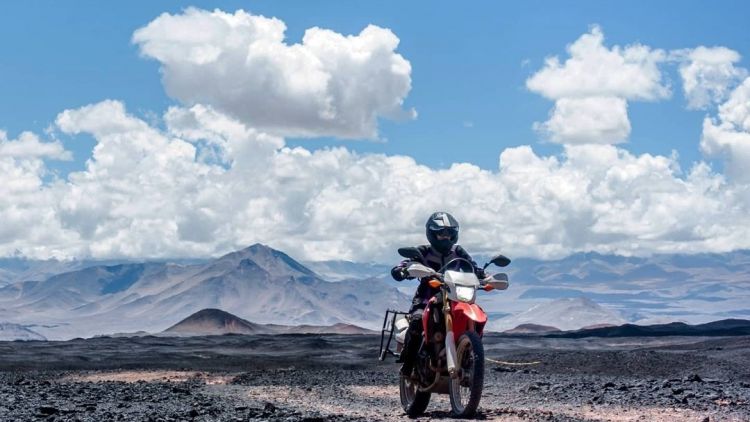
(257, 283)
(64, 299)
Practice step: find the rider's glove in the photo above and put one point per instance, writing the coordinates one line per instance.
(399, 273)
(480, 273)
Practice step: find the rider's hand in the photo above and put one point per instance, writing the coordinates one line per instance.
(399, 273)
(480, 273)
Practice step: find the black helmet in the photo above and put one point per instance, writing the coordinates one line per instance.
(442, 231)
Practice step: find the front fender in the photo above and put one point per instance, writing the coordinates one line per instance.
(471, 311)
(463, 313)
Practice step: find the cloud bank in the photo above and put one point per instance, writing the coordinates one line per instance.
(213, 175)
(207, 184)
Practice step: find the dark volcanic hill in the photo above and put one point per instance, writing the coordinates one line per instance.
(725, 327)
(213, 322)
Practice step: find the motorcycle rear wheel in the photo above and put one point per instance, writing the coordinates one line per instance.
(466, 390)
(413, 401)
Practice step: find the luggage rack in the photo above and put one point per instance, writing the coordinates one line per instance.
(389, 326)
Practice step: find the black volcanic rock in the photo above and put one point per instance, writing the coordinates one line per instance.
(214, 322)
(319, 329)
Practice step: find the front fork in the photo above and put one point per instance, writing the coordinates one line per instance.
(450, 343)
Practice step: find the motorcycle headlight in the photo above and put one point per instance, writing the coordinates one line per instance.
(465, 294)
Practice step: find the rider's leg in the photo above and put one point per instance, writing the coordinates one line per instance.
(412, 341)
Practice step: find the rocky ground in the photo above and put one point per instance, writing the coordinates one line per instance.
(313, 377)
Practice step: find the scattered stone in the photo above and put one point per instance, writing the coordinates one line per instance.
(180, 390)
(694, 378)
(48, 410)
(269, 407)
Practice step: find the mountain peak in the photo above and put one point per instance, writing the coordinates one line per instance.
(270, 260)
(258, 247)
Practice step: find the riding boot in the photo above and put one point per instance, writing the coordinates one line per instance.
(411, 346)
(409, 355)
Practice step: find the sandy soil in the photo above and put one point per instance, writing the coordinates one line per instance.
(327, 377)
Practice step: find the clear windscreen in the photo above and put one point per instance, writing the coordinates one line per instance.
(458, 264)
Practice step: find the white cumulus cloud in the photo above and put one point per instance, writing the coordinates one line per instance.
(591, 87)
(28, 145)
(587, 120)
(728, 135)
(27, 201)
(708, 74)
(327, 85)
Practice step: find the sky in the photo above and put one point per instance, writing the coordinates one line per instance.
(331, 130)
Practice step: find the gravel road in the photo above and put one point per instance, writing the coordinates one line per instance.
(335, 377)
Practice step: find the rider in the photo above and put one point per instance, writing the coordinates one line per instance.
(442, 233)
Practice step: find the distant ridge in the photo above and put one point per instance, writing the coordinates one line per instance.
(531, 329)
(13, 332)
(564, 314)
(724, 327)
(211, 321)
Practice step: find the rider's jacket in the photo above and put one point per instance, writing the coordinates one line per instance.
(436, 261)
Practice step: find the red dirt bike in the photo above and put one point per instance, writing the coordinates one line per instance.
(451, 357)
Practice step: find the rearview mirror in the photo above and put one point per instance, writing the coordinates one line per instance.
(500, 277)
(500, 260)
(498, 285)
(411, 253)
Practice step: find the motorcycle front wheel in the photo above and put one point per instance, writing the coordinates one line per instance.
(413, 401)
(466, 389)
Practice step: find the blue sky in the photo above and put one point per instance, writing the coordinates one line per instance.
(200, 172)
(470, 63)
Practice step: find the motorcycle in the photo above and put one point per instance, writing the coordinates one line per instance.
(450, 359)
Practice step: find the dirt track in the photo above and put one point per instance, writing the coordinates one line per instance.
(295, 378)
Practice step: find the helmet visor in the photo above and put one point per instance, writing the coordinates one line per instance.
(446, 233)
